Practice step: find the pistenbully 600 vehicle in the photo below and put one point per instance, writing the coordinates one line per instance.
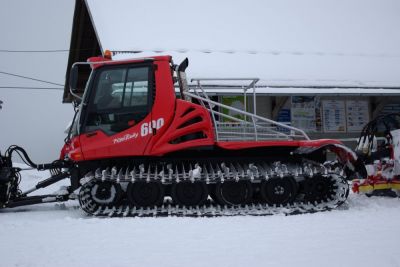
(135, 149)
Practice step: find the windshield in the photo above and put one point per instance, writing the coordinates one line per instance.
(121, 98)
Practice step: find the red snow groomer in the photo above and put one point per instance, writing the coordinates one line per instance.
(135, 148)
(379, 149)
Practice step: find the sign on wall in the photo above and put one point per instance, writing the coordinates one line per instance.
(303, 113)
(235, 102)
(334, 115)
(357, 115)
(284, 117)
(390, 108)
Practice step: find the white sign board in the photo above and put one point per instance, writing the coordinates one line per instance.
(357, 115)
(334, 115)
(303, 113)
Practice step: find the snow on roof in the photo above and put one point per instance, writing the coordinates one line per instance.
(279, 91)
(313, 42)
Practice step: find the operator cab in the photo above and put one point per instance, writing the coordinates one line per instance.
(120, 97)
(120, 94)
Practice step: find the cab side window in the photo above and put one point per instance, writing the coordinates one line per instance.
(122, 97)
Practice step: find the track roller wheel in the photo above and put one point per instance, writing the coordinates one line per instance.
(279, 191)
(145, 194)
(318, 188)
(96, 194)
(189, 194)
(234, 193)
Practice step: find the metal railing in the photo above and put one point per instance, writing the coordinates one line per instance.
(247, 126)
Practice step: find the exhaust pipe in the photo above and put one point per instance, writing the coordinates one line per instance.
(182, 80)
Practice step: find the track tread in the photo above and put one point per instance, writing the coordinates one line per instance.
(213, 173)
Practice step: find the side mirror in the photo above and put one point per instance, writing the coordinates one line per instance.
(73, 78)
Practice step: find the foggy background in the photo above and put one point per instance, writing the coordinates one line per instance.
(34, 119)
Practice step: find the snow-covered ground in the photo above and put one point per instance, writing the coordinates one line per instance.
(366, 233)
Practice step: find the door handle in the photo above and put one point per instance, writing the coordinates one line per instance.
(91, 134)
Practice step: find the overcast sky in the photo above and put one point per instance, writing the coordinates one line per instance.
(290, 41)
(34, 119)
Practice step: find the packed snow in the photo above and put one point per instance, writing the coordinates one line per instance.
(364, 233)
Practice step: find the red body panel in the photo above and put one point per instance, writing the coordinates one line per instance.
(295, 143)
(184, 113)
(121, 62)
(72, 149)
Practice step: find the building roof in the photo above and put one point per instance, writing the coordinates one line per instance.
(286, 43)
(308, 91)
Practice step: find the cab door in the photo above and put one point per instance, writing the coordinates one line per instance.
(119, 102)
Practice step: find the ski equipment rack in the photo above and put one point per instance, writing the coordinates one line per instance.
(243, 125)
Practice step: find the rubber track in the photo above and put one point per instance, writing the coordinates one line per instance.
(213, 173)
